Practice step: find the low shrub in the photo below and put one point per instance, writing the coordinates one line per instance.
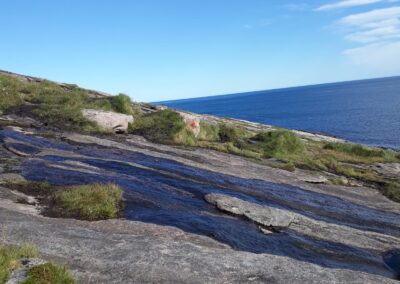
(229, 133)
(122, 104)
(48, 273)
(208, 132)
(162, 126)
(280, 144)
(359, 150)
(89, 202)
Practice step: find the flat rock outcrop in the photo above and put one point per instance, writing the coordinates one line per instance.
(266, 216)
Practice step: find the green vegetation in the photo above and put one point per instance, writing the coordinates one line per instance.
(48, 273)
(163, 127)
(58, 106)
(392, 190)
(280, 144)
(208, 132)
(10, 258)
(361, 151)
(122, 103)
(90, 202)
(86, 202)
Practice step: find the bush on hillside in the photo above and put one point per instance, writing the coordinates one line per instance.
(280, 144)
(162, 126)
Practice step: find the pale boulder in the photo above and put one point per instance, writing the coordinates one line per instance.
(192, 121)
(109, 120)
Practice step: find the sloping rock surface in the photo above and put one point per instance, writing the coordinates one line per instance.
(169, 232)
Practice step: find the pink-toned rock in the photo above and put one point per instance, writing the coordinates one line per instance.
(109, 120)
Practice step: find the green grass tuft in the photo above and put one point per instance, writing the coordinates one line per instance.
(48, 273)
(90, 202)
(10, 258)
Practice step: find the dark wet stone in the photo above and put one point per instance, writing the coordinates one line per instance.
(21, 149)
(392, 261)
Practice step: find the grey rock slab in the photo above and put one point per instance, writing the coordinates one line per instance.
(271, 218)
(261, 214)
(311, 178)
(119, 251)
(390, 169)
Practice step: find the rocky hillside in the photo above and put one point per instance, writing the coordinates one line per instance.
(204, 199)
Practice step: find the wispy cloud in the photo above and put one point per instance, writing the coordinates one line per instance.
(372, 26)
(346, 4)
(297, 6)
(379, 29)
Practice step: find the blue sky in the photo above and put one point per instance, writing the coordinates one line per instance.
(157, 50)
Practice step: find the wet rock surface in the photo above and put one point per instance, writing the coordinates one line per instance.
(172, 234)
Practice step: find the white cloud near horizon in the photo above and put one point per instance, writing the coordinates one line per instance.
(383, 57)
(346, 4)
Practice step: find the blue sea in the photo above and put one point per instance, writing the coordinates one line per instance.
(365, 111)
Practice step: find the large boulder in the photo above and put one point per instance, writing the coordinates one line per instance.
(109, 120)
(192, 121)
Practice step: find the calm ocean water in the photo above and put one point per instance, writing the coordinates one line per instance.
(366, 111)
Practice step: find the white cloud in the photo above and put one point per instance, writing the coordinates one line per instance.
(377, 29)
(382, 56)
(373, 26)
(297, 6)
(346, 4)
(375, 34)
(372, 16)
